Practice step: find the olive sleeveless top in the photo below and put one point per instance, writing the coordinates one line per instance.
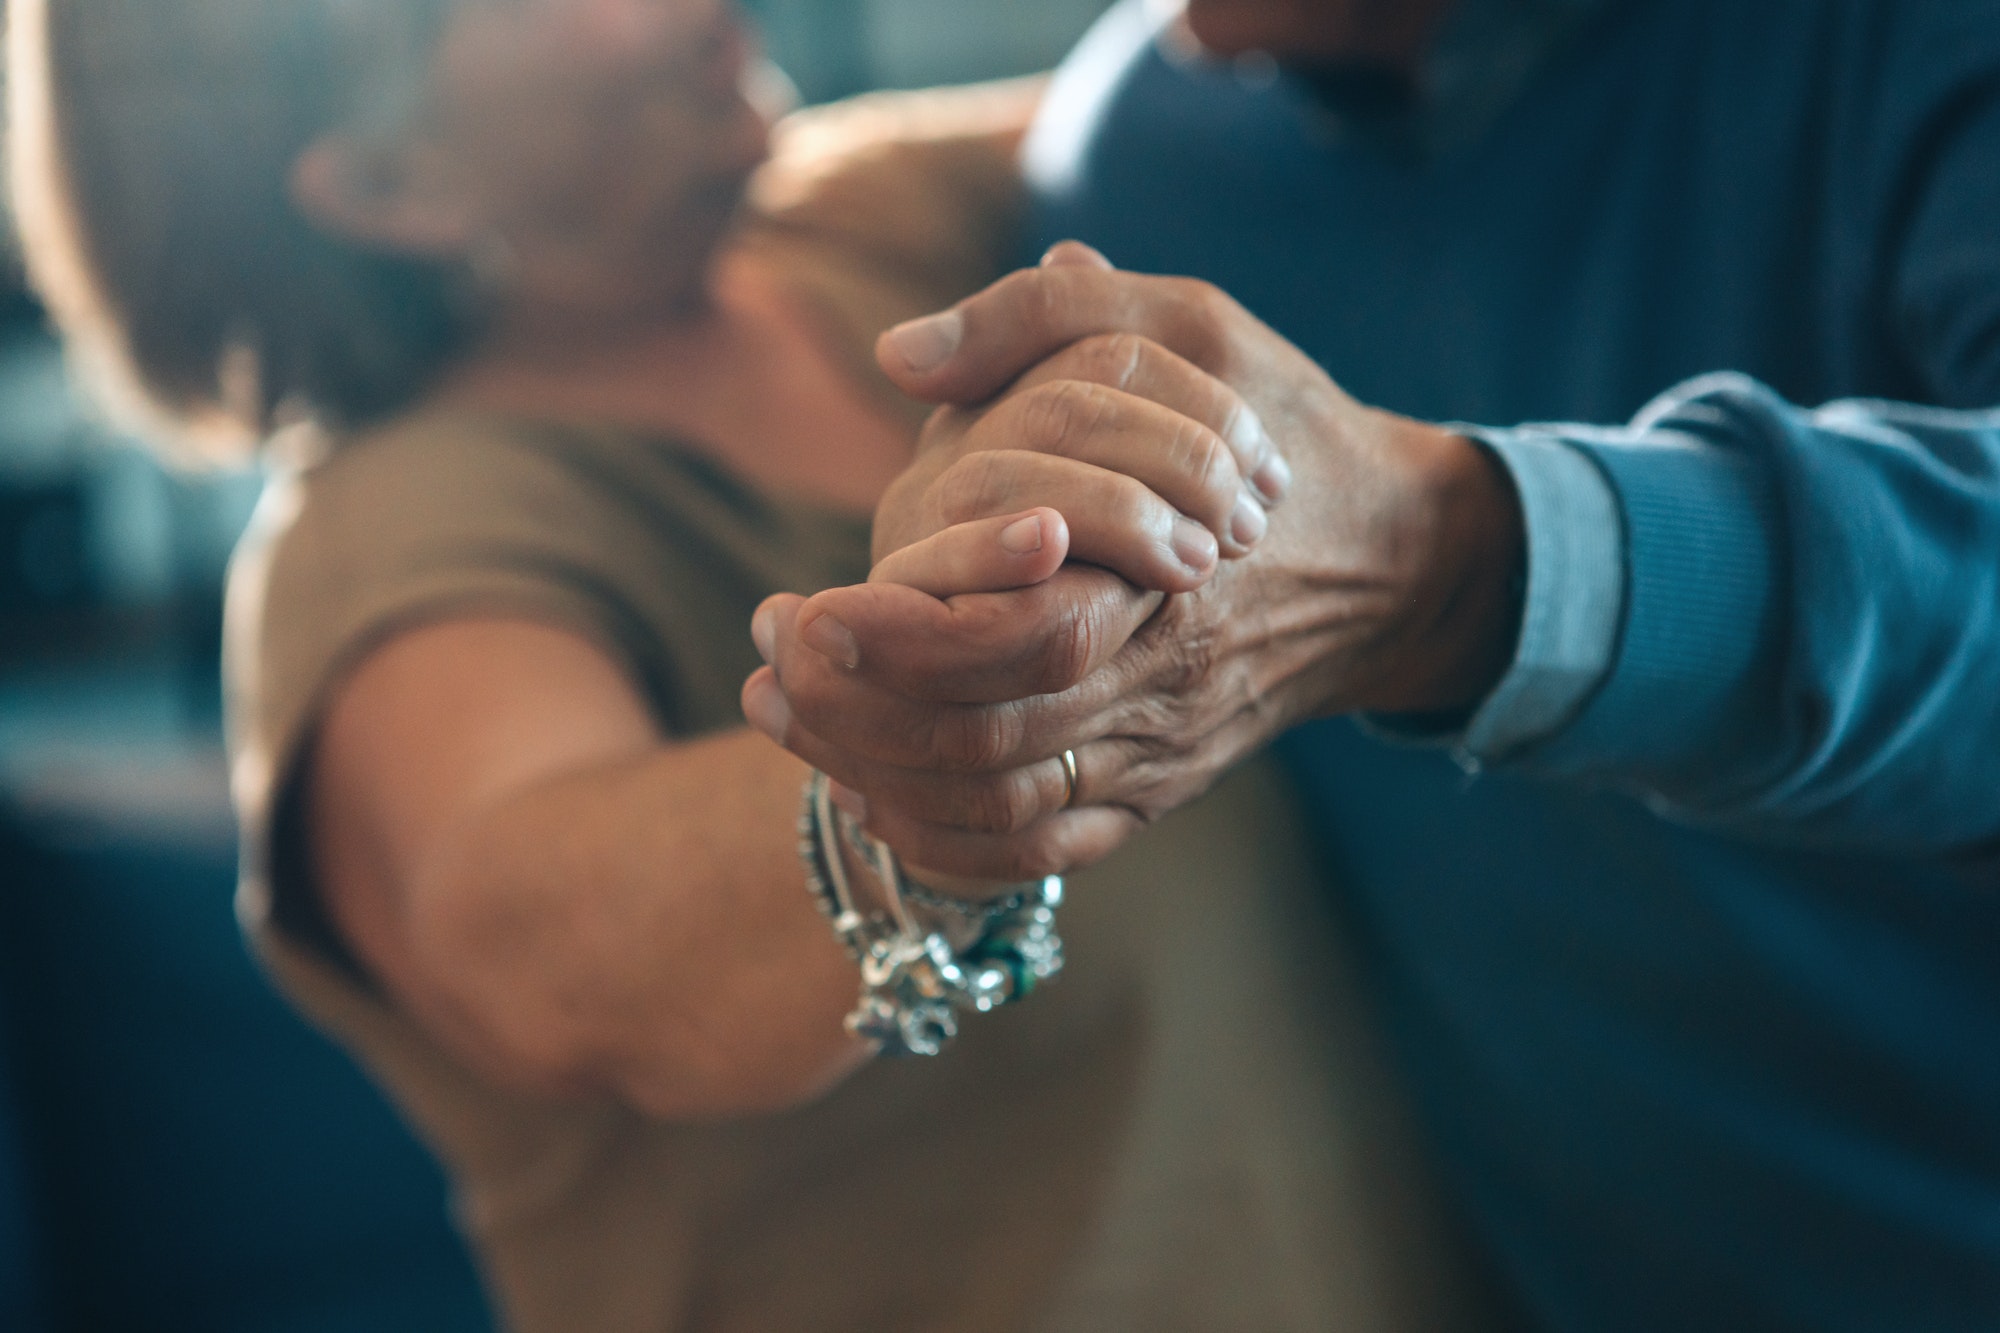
(1191, 1129)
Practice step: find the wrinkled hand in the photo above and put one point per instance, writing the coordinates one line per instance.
(1383, 583)
(1155, 455)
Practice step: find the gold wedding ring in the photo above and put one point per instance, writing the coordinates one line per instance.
(1069, 778)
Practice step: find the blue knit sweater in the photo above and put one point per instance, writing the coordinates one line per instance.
(1700, 993)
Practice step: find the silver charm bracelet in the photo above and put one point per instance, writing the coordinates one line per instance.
(914, 981)
(915, 891)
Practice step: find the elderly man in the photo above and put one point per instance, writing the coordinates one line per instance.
(1668, 796)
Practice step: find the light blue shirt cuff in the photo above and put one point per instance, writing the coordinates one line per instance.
(1574, 603)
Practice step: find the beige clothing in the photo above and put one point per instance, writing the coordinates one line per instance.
(1189, 1130)
(1186, 1131)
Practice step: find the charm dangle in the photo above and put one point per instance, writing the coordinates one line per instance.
(914, 981)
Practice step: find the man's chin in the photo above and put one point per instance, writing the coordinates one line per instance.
(711, 211)
(702, 229)
(1313, 32)
(1284, 29)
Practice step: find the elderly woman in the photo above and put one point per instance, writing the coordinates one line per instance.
(548, 415)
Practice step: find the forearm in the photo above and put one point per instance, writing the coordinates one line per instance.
(640, 927)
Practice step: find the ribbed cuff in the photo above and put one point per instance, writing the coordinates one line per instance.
(1702, 566)
(1570, 608)
(1575, 597)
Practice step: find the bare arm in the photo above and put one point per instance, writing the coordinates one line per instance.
(891, 205)
(570, 901)
(1383, 586)
(924, 186)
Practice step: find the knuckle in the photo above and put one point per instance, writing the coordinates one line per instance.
(1056, 294)
(1068, 652)
(1029, 294)
(1007, 804)
(818, 699)
(1113, 359)
(1207, 314)
(1048, 409)
(1186, 652)
(1191, 669)
(975, 486)
(941, 430)
(1208, 300)
(971, 738)
(1132, 506)
(1154, 719)
(1037, 301)
(1206, 461)
(1057, 415)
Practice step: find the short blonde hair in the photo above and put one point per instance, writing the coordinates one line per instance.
(152, 144)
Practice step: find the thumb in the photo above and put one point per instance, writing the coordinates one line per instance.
(969, 353)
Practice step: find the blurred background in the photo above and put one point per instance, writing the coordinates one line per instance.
(177, 1152)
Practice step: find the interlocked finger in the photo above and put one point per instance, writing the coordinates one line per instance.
(979, 648)
(1178, 456)
(970, 352)
(1055, 845)
(1114, 520)
(1002, 803)
(1143, 368)
(812, 694)
(985, 555)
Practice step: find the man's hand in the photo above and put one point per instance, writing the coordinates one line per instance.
(1165, 463)
(1384, 583)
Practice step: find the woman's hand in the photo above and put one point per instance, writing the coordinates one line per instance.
(938, 581)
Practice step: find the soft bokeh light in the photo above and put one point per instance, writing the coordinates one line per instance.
(176, 1149)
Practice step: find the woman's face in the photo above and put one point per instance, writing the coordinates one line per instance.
(595, 149)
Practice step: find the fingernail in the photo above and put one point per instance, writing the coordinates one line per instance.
(1274, 475)
(1274, 478)
(1023, 536)
(830, 638)
(1247, 433)
(925, 344)
(764, 633)
(1249, 523)
(853, 802)
(1194, 545)
(766, 710)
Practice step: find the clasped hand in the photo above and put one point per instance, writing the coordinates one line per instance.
(1141, 527)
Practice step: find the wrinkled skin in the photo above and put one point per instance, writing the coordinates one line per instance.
(1383, 583)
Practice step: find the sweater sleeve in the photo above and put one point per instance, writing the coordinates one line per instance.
(1809, 637)
(1810, 644)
